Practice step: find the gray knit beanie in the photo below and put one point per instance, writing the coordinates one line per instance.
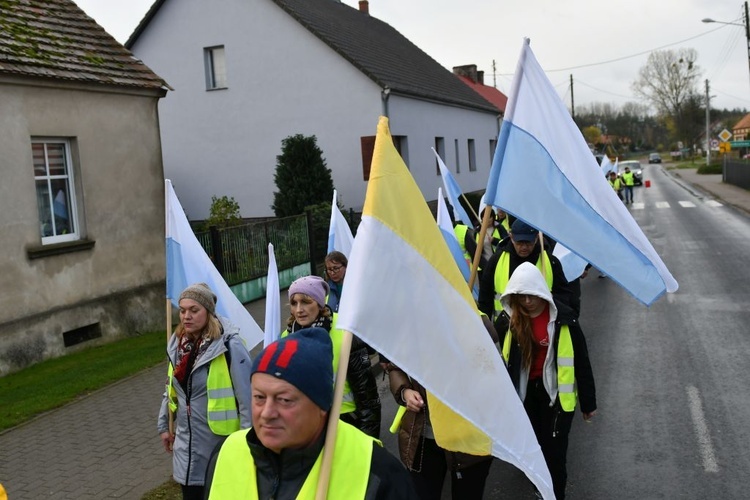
(202, 294)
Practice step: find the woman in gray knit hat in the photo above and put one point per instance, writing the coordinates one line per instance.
(209, 368)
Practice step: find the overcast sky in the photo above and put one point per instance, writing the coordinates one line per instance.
(575, 37)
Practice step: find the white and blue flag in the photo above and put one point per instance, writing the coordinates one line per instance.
(446, 229)
(272, 326)
(544, 173)
(188, 263)
(453, 191)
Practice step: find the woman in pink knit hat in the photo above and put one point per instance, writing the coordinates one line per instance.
(361, 404)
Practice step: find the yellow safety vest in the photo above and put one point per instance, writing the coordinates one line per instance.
(222, 414)
(566, 377)
(616, 185)
(628, 178)
(235, 472)
(337, 337)
(460, 231)
(502, 275)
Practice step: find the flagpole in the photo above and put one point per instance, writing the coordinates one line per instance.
(333, 417)
(470, 207)
(486, 220)
(541, 254)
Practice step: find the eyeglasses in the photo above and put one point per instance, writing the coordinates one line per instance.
(332, 270)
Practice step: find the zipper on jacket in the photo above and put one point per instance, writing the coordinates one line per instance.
(190, 429)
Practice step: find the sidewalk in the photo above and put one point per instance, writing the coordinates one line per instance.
(105, 445)
(711, 184)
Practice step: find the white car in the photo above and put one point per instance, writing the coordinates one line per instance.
(635, 167)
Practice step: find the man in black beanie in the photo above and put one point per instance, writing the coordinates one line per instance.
(280, 456)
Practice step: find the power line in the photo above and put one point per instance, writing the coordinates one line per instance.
(602, 90)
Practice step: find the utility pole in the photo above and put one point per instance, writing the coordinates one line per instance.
(572, 101)
(708, 123)
(494, 69)
(747, 34)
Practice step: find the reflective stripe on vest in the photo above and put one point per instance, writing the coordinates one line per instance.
(223, 417)
(235, 472)
(502, 275)
(566, 375)
(222, 414)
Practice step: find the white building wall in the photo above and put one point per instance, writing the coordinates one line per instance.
(281, 80)
(423, 121)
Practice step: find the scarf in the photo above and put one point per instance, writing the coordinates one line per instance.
(188, 351)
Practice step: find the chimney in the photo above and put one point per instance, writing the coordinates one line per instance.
(469, 71)
(480, 77)
(364, 6)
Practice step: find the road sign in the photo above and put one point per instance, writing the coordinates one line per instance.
(725, 147)
(714, 143)
(740, 144)
(725, 135)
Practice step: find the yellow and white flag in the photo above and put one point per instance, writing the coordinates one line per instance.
(406, 297)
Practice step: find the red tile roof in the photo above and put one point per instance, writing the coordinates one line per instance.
(55, 39)
(494, 96)
(743, 123)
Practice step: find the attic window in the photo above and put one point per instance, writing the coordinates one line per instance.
(216, 68)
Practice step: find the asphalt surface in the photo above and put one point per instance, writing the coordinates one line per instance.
(105, 445)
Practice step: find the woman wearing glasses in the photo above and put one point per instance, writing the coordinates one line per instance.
(361, 405)
(335, 263)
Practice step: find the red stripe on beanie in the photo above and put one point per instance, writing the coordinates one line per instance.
(263, 365)
(290, 348)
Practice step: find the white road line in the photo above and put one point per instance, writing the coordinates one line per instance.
(687, 204)
(637, 206)
(701, 430)
(713, 203)
(662, 204)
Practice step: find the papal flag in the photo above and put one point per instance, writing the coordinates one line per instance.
(406, 297)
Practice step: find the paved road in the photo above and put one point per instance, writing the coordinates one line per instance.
(105, 444)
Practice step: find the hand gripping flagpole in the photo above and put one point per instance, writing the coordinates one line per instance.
(333, 417)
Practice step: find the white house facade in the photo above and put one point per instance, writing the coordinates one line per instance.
(249, 73)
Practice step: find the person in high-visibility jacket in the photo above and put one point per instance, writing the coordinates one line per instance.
(208, 388)
(616, 184)
(280, 456)
(547, 358)
(361, 405)
(629, 180)
(522, 246)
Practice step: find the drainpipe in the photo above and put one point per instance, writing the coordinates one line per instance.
(384, 98)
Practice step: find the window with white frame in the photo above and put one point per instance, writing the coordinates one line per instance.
(216, 67)
(55, 190)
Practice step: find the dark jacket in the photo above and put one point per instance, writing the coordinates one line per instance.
(281, 476)
(412, 424)
(486, 302)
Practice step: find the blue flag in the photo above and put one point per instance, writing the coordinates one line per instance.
(544, 174)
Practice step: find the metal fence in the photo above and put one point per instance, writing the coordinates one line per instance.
(240, 253)
(737, 172)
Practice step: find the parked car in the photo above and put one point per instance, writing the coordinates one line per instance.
(635, 167)
(653, 158)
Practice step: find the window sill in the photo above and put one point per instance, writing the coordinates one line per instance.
(59, 248)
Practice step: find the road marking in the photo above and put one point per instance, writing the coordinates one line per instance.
(687, 204)
(662, 204)
(637, 206)
(713, 203)
(701, 430)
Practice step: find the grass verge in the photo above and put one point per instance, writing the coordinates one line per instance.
(52, 383)
(167, 491)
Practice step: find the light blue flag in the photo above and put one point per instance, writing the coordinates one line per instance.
(188, 263)
(446, 229)
(544, 174)
(607, 165)
(339, 234)
(573, 266)
(273, 300)
(453, 192)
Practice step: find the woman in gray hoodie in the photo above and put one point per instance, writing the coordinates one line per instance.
(548, 361)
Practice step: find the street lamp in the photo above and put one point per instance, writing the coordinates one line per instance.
(745, 25)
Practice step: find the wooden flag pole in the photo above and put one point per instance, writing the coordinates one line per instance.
(541, 255)
(486, 220)
(170, 413)
(470, 208)
(333, 417)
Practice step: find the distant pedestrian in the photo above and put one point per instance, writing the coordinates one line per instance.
(208, 388)
(548, 362)
(335, 264)
(629, 180)
(616, 184)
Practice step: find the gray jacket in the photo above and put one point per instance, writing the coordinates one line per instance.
(194, 440)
